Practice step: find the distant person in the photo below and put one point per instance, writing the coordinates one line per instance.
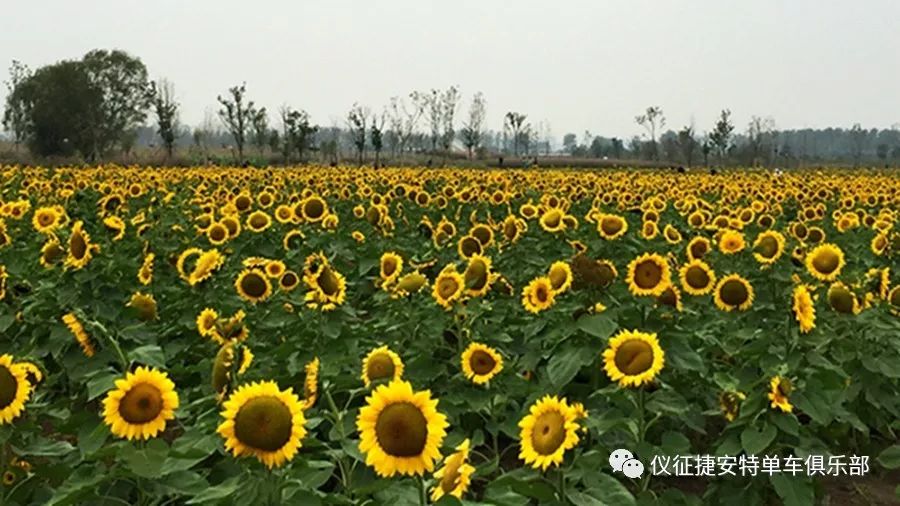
(500, 161)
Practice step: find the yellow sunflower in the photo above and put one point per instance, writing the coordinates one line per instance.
(733, 292)
(51, 252)
(45, 219)
(779, 393)
(327, 287)
(448, 287)
(253, 285)
(648, 275)
(804, 309)
(401, 431)
(825, 262)
(224, 365)
(381, 364)
(206, 322)
(144, 305)
(311, 383)
(80, 248)
(698, 247)
(217, 234)
(14, 389)
(478, 276)
(480, 363)
(455, 475)
(409, 284)
(730, 404)
(538, 295)
(633, 358)
(768, 247)
(611, 226)
(391, 266)
(145, 273)
(183, 259)
(207, 263)
(842, 299)
(274, 268)
(552, 221)
(263, 421)
(731, 242)
(258, 221)
(549, 429)
(560, 275)
(81, 336)
(697, 278)
(141, 404)
(288, 281)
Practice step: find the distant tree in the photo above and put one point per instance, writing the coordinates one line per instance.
(297, 133)
(596, 149)
(514, 122)
(668, 141)
(433, 107)
(166, 109)
(237, 115)
(652, 120)
(882, 151)
(473, 128)
(260, 124)
(616, 147)
(403, 117)
(376, 135)
(635, 145)
(857, 143)
(760, 133)
(357, 119)
(123, 82)
(706, 147)
(16, 114)
(449, 104)
(687, 143)
(721, 135)
(570, 143)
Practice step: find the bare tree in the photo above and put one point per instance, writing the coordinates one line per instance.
(514, 122)
(652, 120)
(720, 137)
(357, 120)
(403, 118)
(237, 114)
(432, 105)
(16, 114)
(857, 143)
(166, 109)
(449, 103)
(376, 134)
(687, 143)
(760, 133)
(473, 128)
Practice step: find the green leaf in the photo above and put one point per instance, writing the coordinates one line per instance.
(100, 384)
(793, 490)
(597, 325)
(315, 473)
(890, 457)
(83, 479)
(43, 447)
(217, 492)
(582, 499)
(91, 437)
(146, 462)
(755, 441)
(564, 365)
(149, 354)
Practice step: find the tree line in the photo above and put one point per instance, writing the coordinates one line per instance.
(105, 103)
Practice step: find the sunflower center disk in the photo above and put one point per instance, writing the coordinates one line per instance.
(78, 246)
(482, 363)
(447, 287)
(647, 275)
(402, 430)
(380, 366)
(8, 387)
(549, 432)
(841, 300)
(634, 357)
(825, 262)
(697, 277)
(327, 282)
(264, 423)
(611, 226)
(734, 293)
(254, 285)
(767, 247)
(141, 404)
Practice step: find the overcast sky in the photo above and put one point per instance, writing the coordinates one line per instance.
(591, 64)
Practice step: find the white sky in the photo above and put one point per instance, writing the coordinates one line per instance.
(591, 64)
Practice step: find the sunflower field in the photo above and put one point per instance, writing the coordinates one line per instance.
(348, 336)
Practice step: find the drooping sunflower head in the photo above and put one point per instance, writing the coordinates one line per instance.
(893, 299)
(480, 363)
(730, 403)
(825, 262)
(478, 276)
(697, 278)
(264, 422)
(253, 285)
(81, 336)
(14, 389)
(391, 266)
(51, 252)
(768, 247)
(206, 322)
(560, 275)
(780, 389)
(804, 309)
(549, 429)
(144, 306)
(401, 430)
(733, 292)
(538, 295)
(648, 275)
(381, 365)
(231, 356)
(455, 475)
(842, 299)
(633, 358)
(141, 404)
(311, 383)
(80, 248)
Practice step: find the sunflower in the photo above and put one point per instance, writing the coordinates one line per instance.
(409, 284)
(825, 262)
(206, 322)
(80, 248)
(258, 221)
(538, 295)
(842, 299)
(207, 263)
(633, 358)
(649, 230)
(144, 306)
(768, 247)
(733, 292)
(145, 273)
(217, 234)
(293, 239)
(731, 242)
(648, 275)
(46, 219)
(697, 278)
(311, 383)
(391, 266)
(224, 365)
(253, 285)
(448, 287)
(14, 389)
(698, 247)
(140, 405)
(549, 429)
(51, 252)
(263, 421)
(478, 276)
(480, 363)
(804, 309)
(288, 281)
(671, 234)
(469, 245)
(327, 287)
(4, 276)
(313, 209)
(893, 299)
(730, 403)
(879, 243)
(401, 430)
(274, 268)
(611, 226)
(455, 475)
(552, 221)
(381, 364)
(182, 263)
(779, 393)
(671, 297)
(230, 329)
(77, 330)
(560, 275)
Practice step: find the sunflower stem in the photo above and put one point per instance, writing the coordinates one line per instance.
(561, 484)
(642, 433)
(423, 496)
